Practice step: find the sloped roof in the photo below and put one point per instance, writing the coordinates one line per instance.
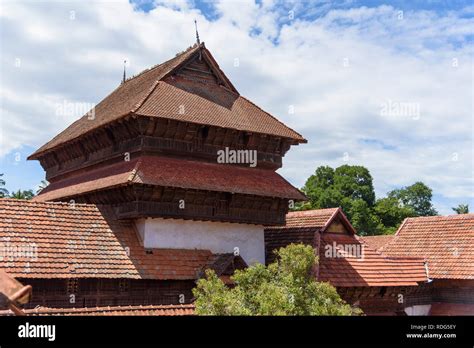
(150, 310)
(172, 172)
(226, 263)
(350, 261)
(447, 242)
(152, 93)
(359, 265)
(12, 291)
(315, 218)
(377, 242)
(318, 219)
(59, 240)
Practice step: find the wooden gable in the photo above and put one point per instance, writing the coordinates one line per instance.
(198, 70)
(202, 67)
(337, 226)
(339, 223)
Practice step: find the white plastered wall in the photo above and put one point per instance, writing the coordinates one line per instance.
(418, 310)
(218, 237)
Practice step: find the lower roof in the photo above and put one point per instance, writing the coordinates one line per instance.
(446, 242)
(345, 260)
(355, 264)
(174, 172)
(377, 242)
(150, 310)
(61, 240)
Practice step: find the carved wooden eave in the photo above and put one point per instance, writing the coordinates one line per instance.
(145, 135)
(139, 201)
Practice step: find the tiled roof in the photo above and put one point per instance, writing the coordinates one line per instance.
(172, 172)
(318, 219)
(59, 240)
(447, 242)
(147, 93)
(315, 218)
(358, 265)
(377, 242)
(226, 263)
(213, 106)
(151, 310)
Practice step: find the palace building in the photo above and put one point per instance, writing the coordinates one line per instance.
(139, 205)
(174, 173)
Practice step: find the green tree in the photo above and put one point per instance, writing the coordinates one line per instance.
(286, 287)
(355, 182)
(327, 187)
(320, 189)
(3, 190)
(417, 197)
(462, 209)
(351, 188)
(391, 213)
(363, 219)
(20, 194)
(348, 187)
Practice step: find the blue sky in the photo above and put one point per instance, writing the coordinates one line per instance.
(387, 85)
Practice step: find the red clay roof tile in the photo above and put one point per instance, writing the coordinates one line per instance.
(147, 94)
(358, 265)
(315, 218)
(172, 172)
(60, 240)
(352, 262)
(377, 242)
(150, 310)
(445, 241)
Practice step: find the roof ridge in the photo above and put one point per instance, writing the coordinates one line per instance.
(441, 217)
(129, 98)
(140, 103)
(220, 72)
(187, 50)
(42, 309)
(331, 218)
(308, 211)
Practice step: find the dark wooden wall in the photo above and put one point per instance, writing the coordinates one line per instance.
(140, 135)
(107, 292)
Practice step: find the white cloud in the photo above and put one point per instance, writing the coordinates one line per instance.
(337, 71)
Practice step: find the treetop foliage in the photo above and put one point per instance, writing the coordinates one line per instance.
(286, 287)
(351, 188)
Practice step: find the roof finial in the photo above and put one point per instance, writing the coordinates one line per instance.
(124, 72)
(197, 34)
